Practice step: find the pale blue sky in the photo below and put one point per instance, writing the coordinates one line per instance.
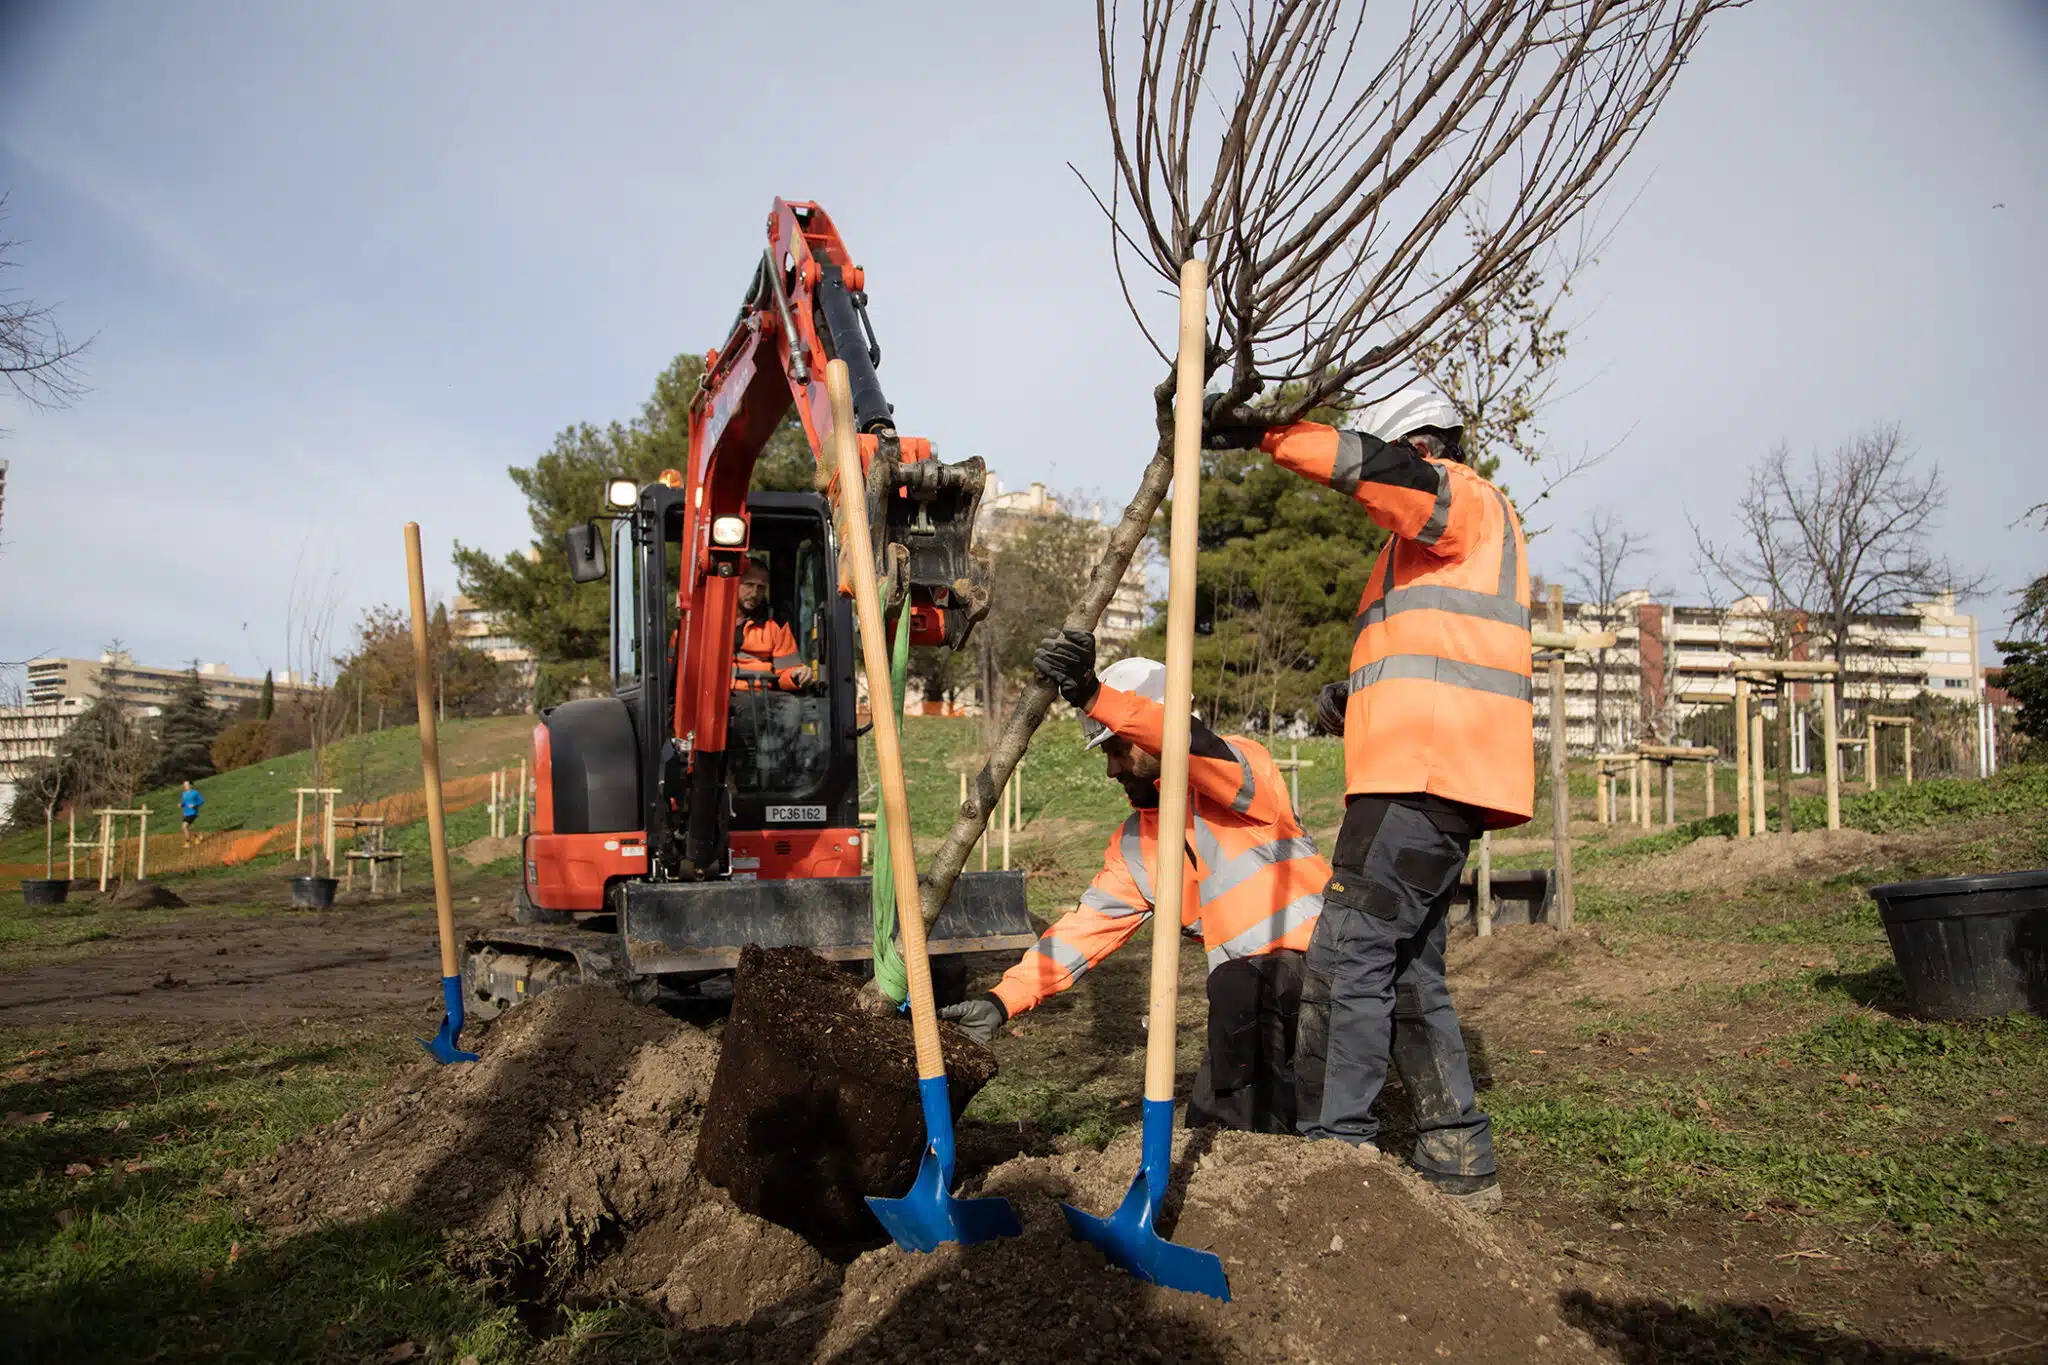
(347, 262)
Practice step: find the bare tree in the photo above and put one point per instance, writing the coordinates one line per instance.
(1606, 549)
(1837, 540)
(1322, 167)
(39, 361)
(311, 642)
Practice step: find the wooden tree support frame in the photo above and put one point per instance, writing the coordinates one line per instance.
(1551, 646)
(1875, 724)
(323, 824)
(1778, 674)
(111, 836)
(1635, 765)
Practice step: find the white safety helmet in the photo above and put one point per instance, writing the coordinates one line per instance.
(1406, 412)
(1137, 676)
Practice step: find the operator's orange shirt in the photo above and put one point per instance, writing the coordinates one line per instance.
(764, 655)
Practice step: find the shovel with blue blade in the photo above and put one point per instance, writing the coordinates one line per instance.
(445, 1046)
(1130, 1236)
(929, 1214)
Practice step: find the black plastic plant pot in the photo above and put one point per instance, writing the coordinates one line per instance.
(45, 890)
(314, 893)
(1970, 946)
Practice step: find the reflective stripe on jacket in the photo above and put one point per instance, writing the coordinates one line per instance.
(1254, 879)
(764, 654)
(1441, 667)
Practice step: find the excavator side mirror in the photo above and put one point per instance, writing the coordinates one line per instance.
(586, 553)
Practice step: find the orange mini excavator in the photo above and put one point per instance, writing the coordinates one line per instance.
(693, 812)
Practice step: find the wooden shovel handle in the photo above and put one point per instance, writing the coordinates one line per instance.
(430, 751)
(1168, 871)
(874, 652)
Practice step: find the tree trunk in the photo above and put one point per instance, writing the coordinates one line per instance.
(1030, 708)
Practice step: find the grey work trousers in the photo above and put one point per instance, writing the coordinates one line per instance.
(1374, 989)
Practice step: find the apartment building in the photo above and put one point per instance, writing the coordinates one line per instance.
(1005, 511)
(30, 732)
(143, 689)
(1671, 659)
(478, 629)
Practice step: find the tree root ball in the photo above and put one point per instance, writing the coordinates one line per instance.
(815, 1105)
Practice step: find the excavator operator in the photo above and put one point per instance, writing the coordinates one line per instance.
(764, 654)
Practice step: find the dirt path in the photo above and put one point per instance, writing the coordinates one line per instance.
(356, 962)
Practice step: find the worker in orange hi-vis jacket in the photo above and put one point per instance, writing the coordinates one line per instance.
(1253, 889)
(764, 653)
(1437, 748)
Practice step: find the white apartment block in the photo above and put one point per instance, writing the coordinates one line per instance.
(1685, 652)
(1004, 509)
(478, 629)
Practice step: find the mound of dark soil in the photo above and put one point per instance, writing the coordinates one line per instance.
(145, 896)
(1333, 1256)
(815, 1105)
(569, 1148)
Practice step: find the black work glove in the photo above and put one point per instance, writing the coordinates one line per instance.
(1066, 659)
(978, 1018)
(1330, 704)
(1233, 430)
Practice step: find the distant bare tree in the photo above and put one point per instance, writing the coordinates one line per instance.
(1837, 539)
(312, 641)
(1606, 549)
(39, 361)
(1325, 166)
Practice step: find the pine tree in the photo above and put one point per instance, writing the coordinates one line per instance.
(185, 733)
(267, 703)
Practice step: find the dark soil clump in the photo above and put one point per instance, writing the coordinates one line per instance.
(145, 896)
(815, 1105)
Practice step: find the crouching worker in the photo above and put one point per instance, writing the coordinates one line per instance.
(1253, 889)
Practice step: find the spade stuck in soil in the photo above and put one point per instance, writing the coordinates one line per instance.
(815, 1104)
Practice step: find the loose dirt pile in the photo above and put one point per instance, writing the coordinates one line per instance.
(1731, 864)
(571, 1141)
(815, 1105)
(145, 896)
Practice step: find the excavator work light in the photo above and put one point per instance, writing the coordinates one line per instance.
(621, 493)
(728, 531)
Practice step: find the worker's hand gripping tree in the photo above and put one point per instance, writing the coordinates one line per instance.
(1324, 157)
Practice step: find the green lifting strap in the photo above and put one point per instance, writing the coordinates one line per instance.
(890, 977)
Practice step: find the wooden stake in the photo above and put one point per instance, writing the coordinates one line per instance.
(522, 798)
(1008, 788)
(1560, 786)
(1643, 774)
(1833, 757)
(1169, 881)
(1742, 758)
(1601, 796)
(1482, 889)
(106, 823)
(1909, 753)
(1670, 795)
(430, 756)
(1785, 708)
(874, 647)
(142, 847)
(1756, 767)
(71, 846)
(1708, 766)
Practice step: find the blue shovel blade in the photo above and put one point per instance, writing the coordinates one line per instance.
(443, 1047)
(1128, 1237)
(929, 1215)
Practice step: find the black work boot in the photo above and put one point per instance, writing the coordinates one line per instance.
(1479, 1193)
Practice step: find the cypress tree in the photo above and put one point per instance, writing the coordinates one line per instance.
(267, 702)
